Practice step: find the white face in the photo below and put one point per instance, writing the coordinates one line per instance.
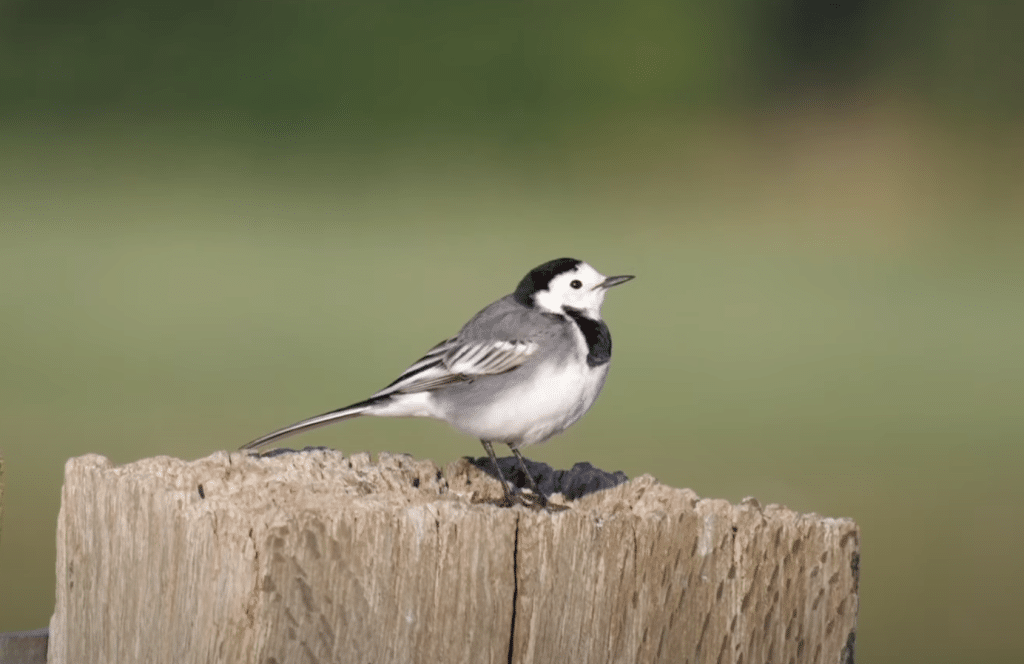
(579, 288)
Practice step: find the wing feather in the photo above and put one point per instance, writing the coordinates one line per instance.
(452, 361)
(490, 357)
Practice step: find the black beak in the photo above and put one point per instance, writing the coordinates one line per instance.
(615, 281)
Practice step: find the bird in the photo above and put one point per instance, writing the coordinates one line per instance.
(523, 369)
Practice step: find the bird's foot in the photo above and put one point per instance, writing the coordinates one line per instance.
(530, 500)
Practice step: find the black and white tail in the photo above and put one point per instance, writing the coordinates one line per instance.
(346, 413)
(428, 373)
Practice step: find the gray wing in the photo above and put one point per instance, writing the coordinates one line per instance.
(455, 361)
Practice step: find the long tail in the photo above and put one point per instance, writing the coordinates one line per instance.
(346, 413)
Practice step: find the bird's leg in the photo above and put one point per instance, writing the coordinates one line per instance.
(529, 478)
(509, 493)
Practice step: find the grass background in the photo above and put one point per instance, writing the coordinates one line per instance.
(794, 333)
(216, 219)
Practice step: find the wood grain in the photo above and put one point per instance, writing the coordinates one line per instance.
(317, 557)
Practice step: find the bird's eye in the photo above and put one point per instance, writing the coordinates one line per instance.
(577, 284)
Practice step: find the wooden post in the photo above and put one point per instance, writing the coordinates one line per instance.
(317, 557)
(23, 647)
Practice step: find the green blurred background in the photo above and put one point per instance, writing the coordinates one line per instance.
(219, 217)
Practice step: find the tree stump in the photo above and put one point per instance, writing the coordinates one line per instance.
(317, 557)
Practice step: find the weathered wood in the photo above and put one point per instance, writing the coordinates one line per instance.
(316, 557)
(23, 647)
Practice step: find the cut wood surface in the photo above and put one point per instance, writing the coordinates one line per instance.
(317, 557)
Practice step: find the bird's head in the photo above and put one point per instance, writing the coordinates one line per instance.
(566, 283)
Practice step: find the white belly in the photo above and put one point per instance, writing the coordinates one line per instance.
(553, 399)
